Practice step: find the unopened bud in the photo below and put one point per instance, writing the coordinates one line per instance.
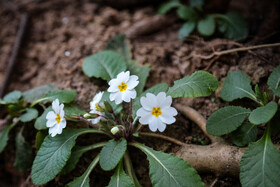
(87, 115)
(115, 130)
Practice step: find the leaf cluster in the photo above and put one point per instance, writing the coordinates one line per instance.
(231, 24)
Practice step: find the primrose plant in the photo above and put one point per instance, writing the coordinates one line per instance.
(119, 113)
(231, 24)
(260, 164)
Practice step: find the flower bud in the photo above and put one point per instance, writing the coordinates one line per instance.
(87, 115)
(115, 130)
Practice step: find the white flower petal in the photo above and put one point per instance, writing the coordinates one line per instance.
(51, 122)
(153, 124)
(114, 83)
(146, 104)
(145, 118)
(63, 123)
(128, 94)
(164, 101)
(161, 126)
(61, 111)
(167, 119)
(53, 130)
(55, 105)
(142, 112)
(113, 96)
(123, 76)
(132, 82)
(95, 121)
(118, 98)
(170, 111)
(50, 115)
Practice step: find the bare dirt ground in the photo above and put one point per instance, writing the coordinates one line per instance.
(60, 34)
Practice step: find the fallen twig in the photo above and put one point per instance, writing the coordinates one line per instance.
(162, 137)
(220, 53)
(12, 61)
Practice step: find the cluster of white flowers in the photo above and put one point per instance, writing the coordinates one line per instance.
(156, 110)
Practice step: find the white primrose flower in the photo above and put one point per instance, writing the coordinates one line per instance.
(122, 87)
(55, 119)
(95, 105)
(156, 111)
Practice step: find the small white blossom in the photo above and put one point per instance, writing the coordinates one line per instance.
(55, 119)
(95, 105)
(156, 111)
(122, 87)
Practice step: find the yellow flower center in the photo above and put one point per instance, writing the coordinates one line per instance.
(122, 87)
(97, 107)
(156, 111)
(58, 118)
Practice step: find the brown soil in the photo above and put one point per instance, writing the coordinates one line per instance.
(62, 33)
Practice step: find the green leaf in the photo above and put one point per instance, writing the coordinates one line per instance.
(40, 136)
(38, 92)
(263, 114)
(274, 81)
(76, 154)
(112, 153)
(64, 96)
(197, 4)
(237, 85)
(162, 87)
(232, 25)
(83, 181)
(141, 71)
(245, 134)
(120, 178)
(260, 164)
(169, 170)
(41, 121)
(73, 109)
(275, 123)
(29, 115)
(166, 7)
(118, 45)
(53, 155)
(186, 29)
(12, 97)
(186, 13)
(226, 120)
(106, 65)
(24, 155)
(206, 26)
(200, 83)
(4, 135)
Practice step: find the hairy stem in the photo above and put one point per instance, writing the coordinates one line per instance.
(130, 170)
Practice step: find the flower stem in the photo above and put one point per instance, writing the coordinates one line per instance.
(130, 171)
(173, 140)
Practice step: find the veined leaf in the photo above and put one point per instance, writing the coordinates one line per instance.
(40, 136)
(64, 96)
(274, 81)
(206, 26)
(24, 155)
(232, 25)
(12, 97)
(186, 13)
(162, 87)
(112, 153)
(73, 109)
(226, 120)
(166, 7)
(29, 115)
(169, 170)
(106, 65)
(263, 114)
(41, 121)
(120, 178)
(83, 181)
(260, 164)
(199, 84)
(245, 134)
(38, 92)
(54, 153)
(76, 154)
(237, 85)
(118, 45)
